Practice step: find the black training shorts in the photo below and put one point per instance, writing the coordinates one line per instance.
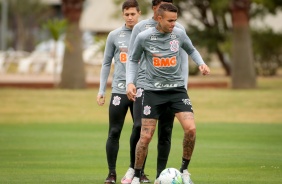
(156, 102)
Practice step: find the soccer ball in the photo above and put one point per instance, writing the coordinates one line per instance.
(170, 176)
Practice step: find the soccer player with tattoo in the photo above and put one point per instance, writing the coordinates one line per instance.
(166, 119)
(164, 85)
(117, 48)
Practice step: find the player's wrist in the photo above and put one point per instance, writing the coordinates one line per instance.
(130, 83)
(101, 94)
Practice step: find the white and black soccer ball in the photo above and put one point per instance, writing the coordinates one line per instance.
(170, 176)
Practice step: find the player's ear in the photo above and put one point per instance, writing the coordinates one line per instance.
(159, 18)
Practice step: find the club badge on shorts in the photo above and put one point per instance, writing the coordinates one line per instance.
(139, 92)
(116, 100)
(147, 110)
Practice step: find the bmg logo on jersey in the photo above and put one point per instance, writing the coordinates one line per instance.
(174, 45)
(164, 62)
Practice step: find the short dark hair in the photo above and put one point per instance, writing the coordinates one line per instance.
(130, 4)
(157, 2)
(168, 8)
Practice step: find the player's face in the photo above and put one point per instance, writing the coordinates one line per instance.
(130, 16)
(167, 21)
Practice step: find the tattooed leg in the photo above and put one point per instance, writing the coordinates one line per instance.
(188, 124)
(146, 135)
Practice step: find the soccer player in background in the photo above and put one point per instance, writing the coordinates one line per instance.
(165, 86)
(166, 119)
(117, 48)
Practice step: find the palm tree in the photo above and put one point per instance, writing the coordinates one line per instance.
(243, 70)
(73, 73)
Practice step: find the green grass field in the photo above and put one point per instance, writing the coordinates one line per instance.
(58, 136)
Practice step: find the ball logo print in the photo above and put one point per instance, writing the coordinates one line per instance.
(116, 100)
(170, 176)
(147, 110)
(121, 85)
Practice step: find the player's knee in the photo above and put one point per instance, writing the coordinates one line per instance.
(165, 135)
(164, 142)
(166, 132)
(190, 131)
(137, 127)
(145, 138)
(114, 133)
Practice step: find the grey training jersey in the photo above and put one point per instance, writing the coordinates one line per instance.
(162, 58)
(116, 47)
(142, 26)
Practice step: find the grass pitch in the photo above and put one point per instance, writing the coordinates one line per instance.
(59, 136)
(75, 153)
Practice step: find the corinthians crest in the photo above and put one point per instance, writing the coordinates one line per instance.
(174, 45)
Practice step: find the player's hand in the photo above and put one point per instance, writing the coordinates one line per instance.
(101, 100)
(205, 70)
(131, 92)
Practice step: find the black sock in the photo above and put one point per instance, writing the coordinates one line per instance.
(137, 173)
(158, 174)
(184, 164)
